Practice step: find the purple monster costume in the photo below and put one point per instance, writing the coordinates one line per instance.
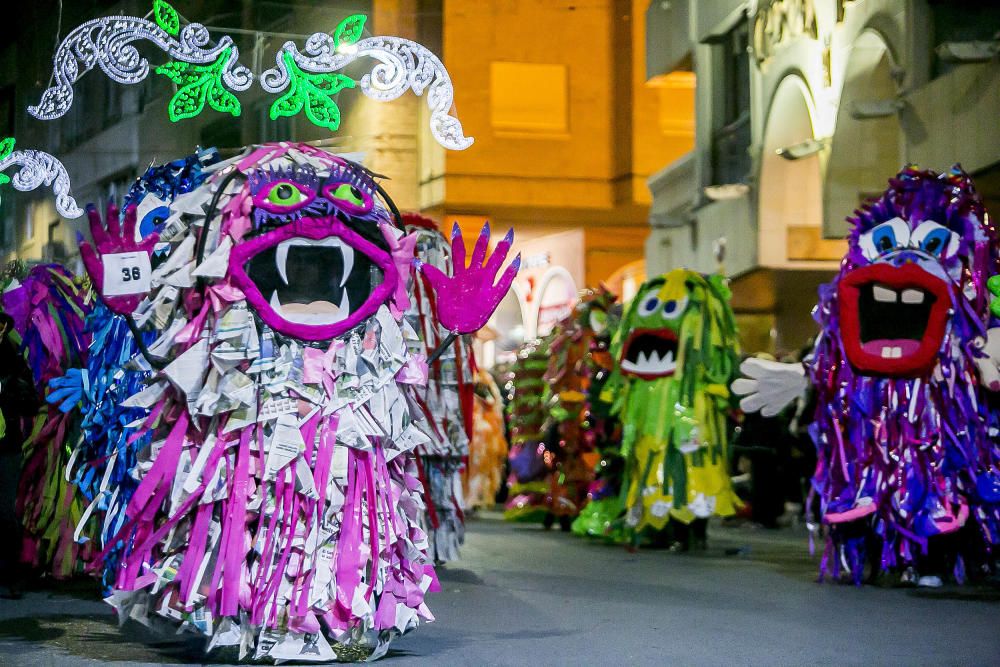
(904, 429)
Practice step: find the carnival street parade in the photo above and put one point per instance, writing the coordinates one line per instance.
(293, 395)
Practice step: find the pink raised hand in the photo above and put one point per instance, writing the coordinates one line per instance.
(467, 299)
(119, 267)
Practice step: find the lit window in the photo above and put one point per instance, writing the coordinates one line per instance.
(528, 97)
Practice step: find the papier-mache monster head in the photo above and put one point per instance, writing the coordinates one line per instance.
(918, 255)
(597, 312)
(314, 259)
(653, 331)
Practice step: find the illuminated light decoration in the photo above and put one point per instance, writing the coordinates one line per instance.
(6, 148)
(349, 30)
(209, 74)
(312, 92)
(166, 17)
(402, 65)
(38, 168)
(107, 43)
(198, 84)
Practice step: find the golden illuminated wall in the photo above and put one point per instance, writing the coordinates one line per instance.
(567, 130)
(662, 112)
(535, 85)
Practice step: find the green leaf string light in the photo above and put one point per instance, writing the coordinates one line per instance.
(312, 92)
(6, 148)
(108, 44)
(307, 78)
(349, 30)
(209, 72)
(198, 84)
(167, 18)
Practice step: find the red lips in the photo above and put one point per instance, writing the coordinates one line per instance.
(893, 319)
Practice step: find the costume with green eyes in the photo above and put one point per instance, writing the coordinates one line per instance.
(676, 353)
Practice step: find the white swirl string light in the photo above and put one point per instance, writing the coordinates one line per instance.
(401, 65)
(39, 168)
(108, 43)
(205, 72)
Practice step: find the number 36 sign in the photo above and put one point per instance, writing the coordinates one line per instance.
(126, 273)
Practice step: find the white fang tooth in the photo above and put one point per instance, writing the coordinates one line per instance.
(275, 302)
(654, 358)
(883, 294)
(643, 360)
(886, 352)
(347, 253)
(897, 352)
(281, 259)
(344, 307)
(669, 359)
(913, 296)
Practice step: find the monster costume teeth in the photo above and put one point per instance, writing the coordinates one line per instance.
(650, 353)
(893, 315)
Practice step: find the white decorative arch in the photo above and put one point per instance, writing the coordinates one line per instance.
(789, 191)
(866, 148)
(553, 273)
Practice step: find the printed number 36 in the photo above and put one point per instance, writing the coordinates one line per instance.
(130, 274)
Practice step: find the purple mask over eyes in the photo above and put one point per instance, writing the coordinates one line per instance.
(314, 278)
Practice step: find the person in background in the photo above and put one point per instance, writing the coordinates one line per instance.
(763, 447)
(18, 404)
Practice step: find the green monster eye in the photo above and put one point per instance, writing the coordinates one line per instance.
(348, 197)
(350, 194)
(285, 194)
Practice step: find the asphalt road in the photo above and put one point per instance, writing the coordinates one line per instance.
(521, 596)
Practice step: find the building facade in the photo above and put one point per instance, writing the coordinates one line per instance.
(567, 132)
(804, 109)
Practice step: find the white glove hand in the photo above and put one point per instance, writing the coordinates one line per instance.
(769, 385)
(989, 365)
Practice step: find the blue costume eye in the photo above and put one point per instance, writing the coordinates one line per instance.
(153, 221)
(670, 307)
(935, 242)
(649, 306)
(935, 239)
(884, 238)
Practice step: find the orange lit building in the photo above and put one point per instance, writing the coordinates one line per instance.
(567, 131)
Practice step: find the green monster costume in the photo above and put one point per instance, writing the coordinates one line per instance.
(676, 353)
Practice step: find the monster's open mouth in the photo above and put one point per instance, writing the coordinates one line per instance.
(313, 279)
(650, 353)
(893, 318)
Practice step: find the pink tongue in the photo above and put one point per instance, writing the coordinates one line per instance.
(907, 346)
